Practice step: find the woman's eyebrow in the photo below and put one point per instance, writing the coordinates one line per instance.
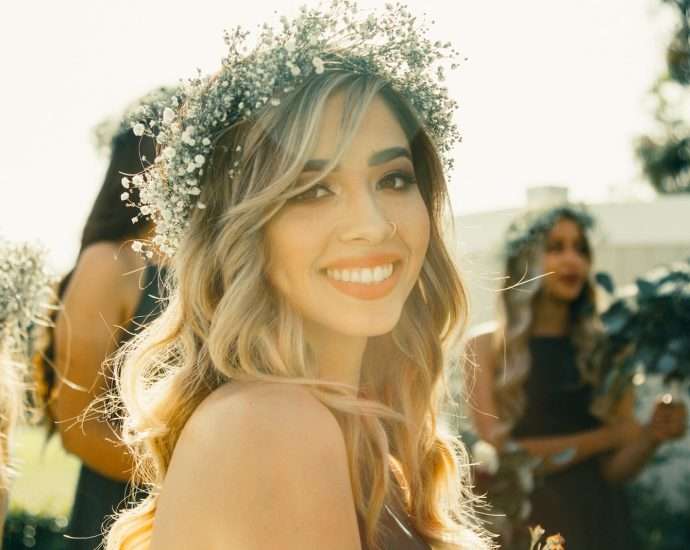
(380, 157)
(389, 154)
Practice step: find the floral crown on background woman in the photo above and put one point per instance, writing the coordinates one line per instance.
(391, 45)
(25, 292)
(531, 228)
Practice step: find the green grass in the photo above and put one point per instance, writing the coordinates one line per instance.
(46, 476)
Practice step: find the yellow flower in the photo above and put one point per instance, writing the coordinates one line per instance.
(555, 542)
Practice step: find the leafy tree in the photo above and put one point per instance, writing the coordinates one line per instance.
(666, 156)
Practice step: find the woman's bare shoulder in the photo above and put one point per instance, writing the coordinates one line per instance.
(248, 410)
(248, 445)
(107, 261)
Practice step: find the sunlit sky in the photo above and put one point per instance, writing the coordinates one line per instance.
(552, 92)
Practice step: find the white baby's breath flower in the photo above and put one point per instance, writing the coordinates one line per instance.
(125, 182)
(139, 129)
(124, 196)
(199, 160)
(486, 457)
(137, 246)
(168, 115)
(294, 69)
(318, 65)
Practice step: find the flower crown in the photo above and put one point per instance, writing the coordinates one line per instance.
(147, 110)
(25, 291)
(534, 225)
(391, 45)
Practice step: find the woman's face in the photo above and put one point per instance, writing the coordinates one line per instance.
(566, 256)
(334, 253)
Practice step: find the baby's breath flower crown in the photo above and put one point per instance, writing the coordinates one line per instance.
(533, 226)
(391, 44)
(25, 292)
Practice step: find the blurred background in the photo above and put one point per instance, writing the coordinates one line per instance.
(582, 100)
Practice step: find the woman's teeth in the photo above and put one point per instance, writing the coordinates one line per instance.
(365, 276)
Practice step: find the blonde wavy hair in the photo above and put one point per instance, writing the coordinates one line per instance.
(515, 315)
(225, 323)
(14, 403)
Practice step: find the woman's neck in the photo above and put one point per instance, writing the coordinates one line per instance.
(338, 356)
(551, 317)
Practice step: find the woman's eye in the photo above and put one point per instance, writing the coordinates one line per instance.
(317, 191)
(398, 181)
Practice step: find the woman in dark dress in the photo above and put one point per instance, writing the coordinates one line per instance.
(536, 383)
(110, 294)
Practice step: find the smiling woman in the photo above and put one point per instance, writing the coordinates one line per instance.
(301, 354)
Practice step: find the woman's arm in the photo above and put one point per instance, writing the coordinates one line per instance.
(86, 333)
(557, 452)
(667, 423)
(259, 469)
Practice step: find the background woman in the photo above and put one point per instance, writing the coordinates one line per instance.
(287, 396)
(108, 296)
(536, 382)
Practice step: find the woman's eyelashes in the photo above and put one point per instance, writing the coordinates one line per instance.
(316, 191)
(395, 181)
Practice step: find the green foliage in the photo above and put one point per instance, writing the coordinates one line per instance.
(656, 525)
(24, 530)
(649, 327)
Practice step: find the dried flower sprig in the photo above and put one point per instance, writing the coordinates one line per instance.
(392, 45)
(553, 542)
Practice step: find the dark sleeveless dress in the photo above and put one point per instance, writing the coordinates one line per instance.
(97, 497)
(576, 502)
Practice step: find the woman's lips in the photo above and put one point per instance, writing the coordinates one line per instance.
(570, 280)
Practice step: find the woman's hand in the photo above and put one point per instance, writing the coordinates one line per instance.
(668, 422)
